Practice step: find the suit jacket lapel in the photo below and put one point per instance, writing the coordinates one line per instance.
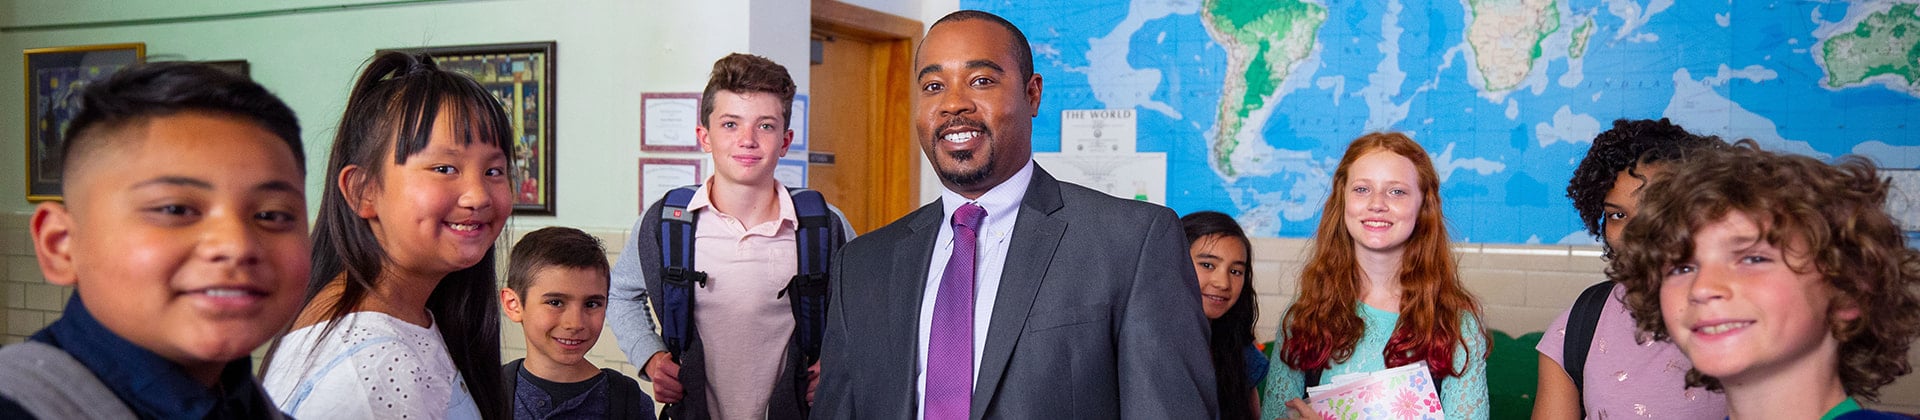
(1035, 236)
(904, 298)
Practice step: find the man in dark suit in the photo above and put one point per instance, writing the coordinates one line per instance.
(1016, 295)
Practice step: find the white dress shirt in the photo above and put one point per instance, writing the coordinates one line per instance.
(1003, 207)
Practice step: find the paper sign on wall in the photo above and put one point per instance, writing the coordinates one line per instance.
(1098, 130)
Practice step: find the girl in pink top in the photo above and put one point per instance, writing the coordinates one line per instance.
(1627, 374)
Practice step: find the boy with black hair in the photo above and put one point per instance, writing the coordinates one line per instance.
(735, 268)
(184, 236)
(557, 291)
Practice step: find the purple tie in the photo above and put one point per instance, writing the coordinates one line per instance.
(950, 341)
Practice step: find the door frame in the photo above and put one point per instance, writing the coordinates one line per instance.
(894, 176)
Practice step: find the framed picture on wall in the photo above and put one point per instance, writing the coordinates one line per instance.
(791, 172)
(667, 121)
(657, 176)
(798, 124)
(521, 76)
(55, 77)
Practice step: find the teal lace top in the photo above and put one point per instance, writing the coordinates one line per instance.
(1462, 397)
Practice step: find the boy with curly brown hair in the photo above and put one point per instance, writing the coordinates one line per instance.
(1781, 277)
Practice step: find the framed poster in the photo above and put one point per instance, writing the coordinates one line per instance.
(55, 77)
(667, 121)
(791, 172)
(521, 76)
(657, 176)
(799, 124)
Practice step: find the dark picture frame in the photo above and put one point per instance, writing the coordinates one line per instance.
(238, 67)
(54, 79)
(522, 77)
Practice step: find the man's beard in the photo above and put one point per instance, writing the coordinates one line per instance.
(967, 178)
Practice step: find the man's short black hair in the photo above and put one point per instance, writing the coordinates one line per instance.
(1021, 50)
(140, 92)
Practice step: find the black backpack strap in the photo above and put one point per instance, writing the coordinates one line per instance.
(817, 237)
(510, 378)
(624, 398)
(807, 291)
(1581, 323)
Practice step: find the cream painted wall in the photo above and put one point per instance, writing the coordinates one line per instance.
(609, 51)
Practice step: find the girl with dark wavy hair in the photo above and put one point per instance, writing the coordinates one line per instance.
(1223, 258)
(1621, 371)
(1381, 288)
(401, 318)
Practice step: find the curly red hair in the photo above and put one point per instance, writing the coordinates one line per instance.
(1323, 325)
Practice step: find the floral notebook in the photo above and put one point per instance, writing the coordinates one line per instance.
(1404, 392)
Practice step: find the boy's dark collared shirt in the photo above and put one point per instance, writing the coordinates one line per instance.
(151, 386)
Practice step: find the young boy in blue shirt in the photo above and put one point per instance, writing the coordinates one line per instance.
(184, 236)
(557, 290)
(1781, 277)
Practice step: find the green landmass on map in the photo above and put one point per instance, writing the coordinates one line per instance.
(1886, 43)
(1263, 39)
(1581, 34)
(1506, 36)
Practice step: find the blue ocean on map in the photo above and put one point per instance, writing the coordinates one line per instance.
(1745, 70)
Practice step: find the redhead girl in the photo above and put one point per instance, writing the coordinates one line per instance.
(1381, 289)
(401, 319)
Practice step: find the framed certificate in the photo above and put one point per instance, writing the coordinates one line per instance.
(657, 176)
(667, 121)
(799, 124)
(791, 172)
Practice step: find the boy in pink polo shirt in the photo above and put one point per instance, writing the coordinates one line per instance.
(751, 273)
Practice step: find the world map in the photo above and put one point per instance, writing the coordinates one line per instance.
(1253, 101)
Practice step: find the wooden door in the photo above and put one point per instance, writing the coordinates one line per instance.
(864, 157)
(841, 101)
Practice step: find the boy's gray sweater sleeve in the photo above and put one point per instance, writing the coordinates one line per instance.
(628, 311)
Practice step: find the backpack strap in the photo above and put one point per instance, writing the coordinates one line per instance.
(624, 397)
(1581, 323)
(510, 378)
(49, 383)
(677, 282)
(807, 291)
(677, 274)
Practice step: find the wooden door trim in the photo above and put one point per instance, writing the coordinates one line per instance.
(855, 20)
(894, 174)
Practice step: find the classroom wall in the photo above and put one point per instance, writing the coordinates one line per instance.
(609, 52)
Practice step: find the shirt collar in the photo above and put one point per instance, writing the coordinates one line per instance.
(702, 200)
(152, 386)
(1001, 202)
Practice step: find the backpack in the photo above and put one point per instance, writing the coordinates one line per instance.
(1581, 323)
(816, 239)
